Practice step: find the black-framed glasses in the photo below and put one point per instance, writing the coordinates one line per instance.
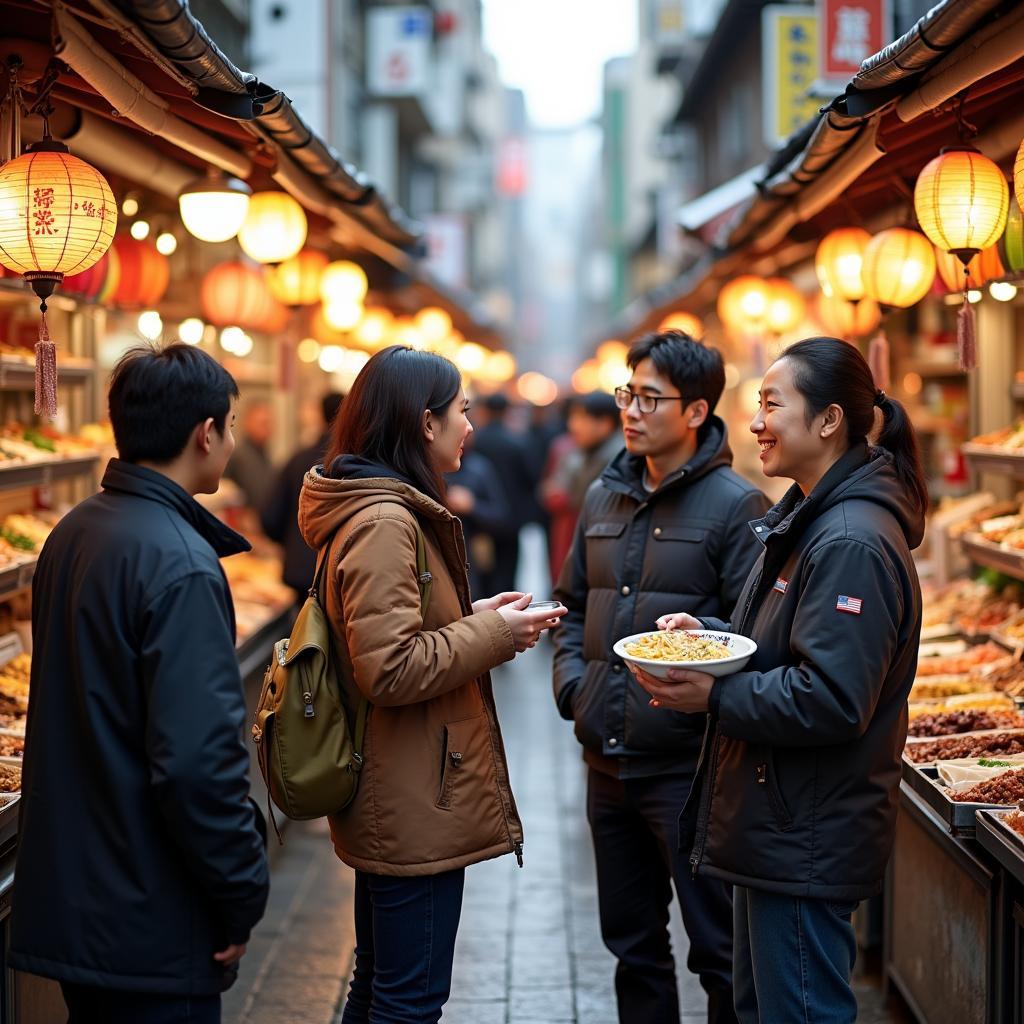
(645, 403)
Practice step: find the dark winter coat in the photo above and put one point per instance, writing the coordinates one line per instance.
(139, 856)
(637, 555)
(801, 772)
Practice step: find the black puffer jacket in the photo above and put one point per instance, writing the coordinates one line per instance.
(636, 556)
(801, 771)
(139, 856)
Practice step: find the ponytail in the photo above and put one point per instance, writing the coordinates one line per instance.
(827, 371)
(898, 437)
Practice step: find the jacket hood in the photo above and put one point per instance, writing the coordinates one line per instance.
(864, 474)
(625, 473)
(328, 502)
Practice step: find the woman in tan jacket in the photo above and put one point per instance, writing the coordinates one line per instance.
(434, 790)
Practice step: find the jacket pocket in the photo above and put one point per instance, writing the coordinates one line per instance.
(685, 533)
(605, 530)
(766, 776)
(456, 759)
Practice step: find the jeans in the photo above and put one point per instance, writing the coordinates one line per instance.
(634, 823)
(104, 1006)
(793, 959)
(405, 945)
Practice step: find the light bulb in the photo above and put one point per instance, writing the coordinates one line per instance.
(308, 350)
(130, 206)
(214, 207)
(166, 243)
(331, 358)
(150, 324)
(1002, 291)
(231, 339)
(140, 230)
(974, 295)
(191, 331)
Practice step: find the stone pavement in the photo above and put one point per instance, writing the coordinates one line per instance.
(529, 948)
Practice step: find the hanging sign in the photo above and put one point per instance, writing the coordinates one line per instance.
(398, 50)
(789, 52)
(851, 31)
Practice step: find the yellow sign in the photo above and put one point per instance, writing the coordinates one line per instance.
(789, 41)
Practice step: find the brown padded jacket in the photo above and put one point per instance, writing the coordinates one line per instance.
(434, 793)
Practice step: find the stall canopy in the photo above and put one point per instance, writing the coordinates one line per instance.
(954, 77)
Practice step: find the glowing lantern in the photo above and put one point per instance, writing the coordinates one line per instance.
(500, 367)
(110, 283)
(743, 305)
(308, 350)
(405, 332)
(613, 351)
(537, 389)
(235, 294)
(848, 320)
(470, 357)
(587, 378)
(838, 263)
(296, 281)
(213, 207)
(145, 273)
(1012, 244)
(89, 283)
(899, 267)
(685, 322)
(985, 266)
(275, 319)
(961, 200)
(786, 306)
(342, 316)
(57, 217)
(343, 281)
(274, 228)
(372, 331)
(434, 324)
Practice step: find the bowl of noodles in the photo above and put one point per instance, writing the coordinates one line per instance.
(701, 650)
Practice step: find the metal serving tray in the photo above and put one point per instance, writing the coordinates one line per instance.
(1006, 845)
(960, 818)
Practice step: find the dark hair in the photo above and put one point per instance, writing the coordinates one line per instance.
(827, 371)
(694, 368)
(329, 406)
(158, 396)
(599, 405)
(496, 403)
(381, 418)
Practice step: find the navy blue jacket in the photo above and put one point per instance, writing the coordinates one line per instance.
(139, 855)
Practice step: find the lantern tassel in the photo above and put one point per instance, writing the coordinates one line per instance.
(966, 336)
(878, 360)
(46, 371)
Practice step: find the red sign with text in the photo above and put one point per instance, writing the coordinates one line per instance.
(850, 32)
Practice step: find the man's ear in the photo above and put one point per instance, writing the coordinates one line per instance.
(698, 413)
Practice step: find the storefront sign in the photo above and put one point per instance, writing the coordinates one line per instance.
(789, 49)
(851, 31)
(398, 50)
(511, 176)
(446, 248)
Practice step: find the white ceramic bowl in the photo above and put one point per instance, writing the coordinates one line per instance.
(742, 649)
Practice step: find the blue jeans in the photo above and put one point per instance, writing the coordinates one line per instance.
(405, 945)
(793, 959)
(104, 1006)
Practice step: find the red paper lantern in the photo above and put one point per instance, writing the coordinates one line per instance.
(90, 282)
(236, 294)
(145, 273)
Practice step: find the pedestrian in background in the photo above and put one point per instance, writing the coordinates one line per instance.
(251, 466)
(434, 793)
(665, 527)
(800, 782)
(141, 867)
(279, 514)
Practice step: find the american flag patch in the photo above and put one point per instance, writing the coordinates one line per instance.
(849, 604)
(781, 585)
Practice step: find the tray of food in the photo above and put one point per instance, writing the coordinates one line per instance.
(996, 744)
(703, 650)
(986, 657)
(945, 721)
(1001, 832)
(956, 791)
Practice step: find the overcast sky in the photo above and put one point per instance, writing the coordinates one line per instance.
(554, 50)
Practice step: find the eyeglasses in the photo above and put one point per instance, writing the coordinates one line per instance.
(645, 403)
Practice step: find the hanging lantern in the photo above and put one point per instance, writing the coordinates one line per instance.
(372, 331)
(343, 315)
(145, 273)
(985, 266)
(848, 320)
(110, 283)
(235, 294)
(89, 283)
(899, 267)
(296, 282)
(345, 282)
(785, 306)
(275, 320)
(961, 200)
(434, 324)
(839, 261)
(743, 305)
(274, 228)
(1011, 245)
(685, 322)
(213, 207)
(57, 217)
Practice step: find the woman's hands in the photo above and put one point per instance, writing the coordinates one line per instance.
(679, 620)
(492, 604)
(526, 626)
(684, 690)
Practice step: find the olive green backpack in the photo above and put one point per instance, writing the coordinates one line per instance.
(309, 755)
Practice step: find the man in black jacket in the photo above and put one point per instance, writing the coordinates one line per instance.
(141, 869)
(664, 528)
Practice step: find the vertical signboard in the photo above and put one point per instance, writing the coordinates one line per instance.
(446, 248)
(789, 53)
(851, 31)
(398, 50)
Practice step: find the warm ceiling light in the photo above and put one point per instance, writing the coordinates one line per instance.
(343, 281)
(373, 330)
(342, 316)
(685, 322)
(232, 339)
(130, 206)
(331, 358)
(974, 295)
(150, 324)
(1002, 291)
(308, 350)
(139, 230)
(786, 306)
(191, 331)
(470, 357)
(434, 324)
(213, 207)
(166, 243)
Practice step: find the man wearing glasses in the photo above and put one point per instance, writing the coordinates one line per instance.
(663, 529)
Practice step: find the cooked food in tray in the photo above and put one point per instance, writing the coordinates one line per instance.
(1015, 821)
(10, 778)
(953, 722)
(971, 745)
(988, 654)
(938, 687)
(677, 645)
(982, 701)
(1007, 788)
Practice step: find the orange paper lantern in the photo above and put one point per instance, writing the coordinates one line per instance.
(848, 320)
(235, 294)
(786, 306)
(296, 282)
(743, 305)
(89, 283)
(274, 228)
(685, 322)
(839, 262)
(899, 267)
(984, 267)
(145, 273)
